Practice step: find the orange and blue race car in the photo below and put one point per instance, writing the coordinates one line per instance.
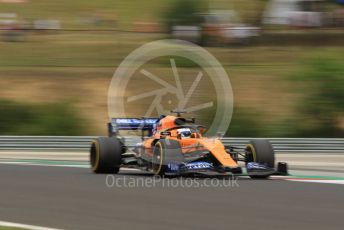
(175, 146)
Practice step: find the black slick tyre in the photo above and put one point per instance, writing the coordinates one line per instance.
(260, 151)
(105, 155)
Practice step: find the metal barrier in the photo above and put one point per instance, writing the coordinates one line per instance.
(82, 143)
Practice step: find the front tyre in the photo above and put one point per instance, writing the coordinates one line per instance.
(165, 151)
(260, 151)
(105, 155)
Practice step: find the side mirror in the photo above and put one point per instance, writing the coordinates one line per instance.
(202, 129)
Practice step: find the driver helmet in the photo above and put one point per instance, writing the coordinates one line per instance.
(184, 132)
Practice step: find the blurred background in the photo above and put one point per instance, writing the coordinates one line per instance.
(285, 60)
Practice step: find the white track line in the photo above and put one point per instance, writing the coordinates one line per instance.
(318, 181)
(123, 170)
(46, 165)
(58, 165)
(25, 226)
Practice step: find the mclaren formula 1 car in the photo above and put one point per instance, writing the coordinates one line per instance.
(175, 146)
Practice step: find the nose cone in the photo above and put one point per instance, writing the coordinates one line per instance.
(217, 149)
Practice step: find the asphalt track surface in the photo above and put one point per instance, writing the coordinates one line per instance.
(74, 198)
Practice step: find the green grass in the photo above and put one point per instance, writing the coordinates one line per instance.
(39, 119)
(109, 49)
(125, 12)
(10, 228)
(259, 74)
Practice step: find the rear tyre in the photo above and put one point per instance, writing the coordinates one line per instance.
(260, 151)
(105, 155)
(165, 151)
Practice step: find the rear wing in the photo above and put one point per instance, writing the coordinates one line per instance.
(143, 124)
